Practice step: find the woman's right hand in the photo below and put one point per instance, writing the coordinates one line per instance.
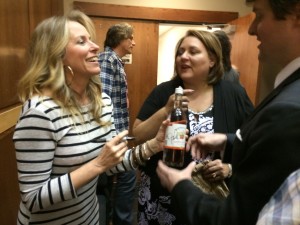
(112, 152)
(170, 104)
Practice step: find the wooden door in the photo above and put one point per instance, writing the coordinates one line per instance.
(244, 55)
(142, 73)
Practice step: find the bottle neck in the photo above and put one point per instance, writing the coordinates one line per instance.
(178, 101)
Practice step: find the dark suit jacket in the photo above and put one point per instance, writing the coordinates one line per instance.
(267, 152)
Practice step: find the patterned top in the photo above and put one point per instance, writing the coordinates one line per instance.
(201, 122)
(48, 147)
(113, 78)
(284, 206)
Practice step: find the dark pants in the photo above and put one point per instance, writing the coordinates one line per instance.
(119, 191)
(123, 198)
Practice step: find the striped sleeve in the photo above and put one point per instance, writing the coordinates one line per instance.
(125, 165)
(35, 144)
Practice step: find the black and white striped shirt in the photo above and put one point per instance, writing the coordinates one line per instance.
(48, 147)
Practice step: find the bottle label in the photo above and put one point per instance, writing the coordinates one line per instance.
(175, 135)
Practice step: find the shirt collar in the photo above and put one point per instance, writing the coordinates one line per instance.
(109, 49)
(287, 71)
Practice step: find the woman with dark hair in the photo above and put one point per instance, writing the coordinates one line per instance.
(214, 105)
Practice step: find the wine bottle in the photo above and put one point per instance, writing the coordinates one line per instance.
(174, 148)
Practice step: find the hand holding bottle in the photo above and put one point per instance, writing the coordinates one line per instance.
(170, 104)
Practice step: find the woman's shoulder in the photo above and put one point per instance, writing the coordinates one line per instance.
(40, 103)
(107, 103)
(230, 86)
(105, 97)
(41, 107)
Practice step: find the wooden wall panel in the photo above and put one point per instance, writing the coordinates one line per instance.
(41, 9)
(244, 55)
(13, 41)
(18, 18)
(9, 189)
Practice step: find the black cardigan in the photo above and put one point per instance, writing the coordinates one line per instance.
(231, 107)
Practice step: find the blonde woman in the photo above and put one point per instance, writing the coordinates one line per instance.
(65, 136)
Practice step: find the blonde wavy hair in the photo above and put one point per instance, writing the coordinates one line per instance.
(46, 70)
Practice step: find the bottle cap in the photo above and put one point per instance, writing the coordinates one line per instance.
(179, 90)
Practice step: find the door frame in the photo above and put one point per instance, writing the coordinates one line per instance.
(162, 15)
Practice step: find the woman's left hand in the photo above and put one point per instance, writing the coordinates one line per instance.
(157, 144)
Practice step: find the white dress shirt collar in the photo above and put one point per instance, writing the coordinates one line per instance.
(287, 71)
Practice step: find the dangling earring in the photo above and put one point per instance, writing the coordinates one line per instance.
(70, 70)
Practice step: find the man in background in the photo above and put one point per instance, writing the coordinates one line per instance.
(119, 42)
(230, 73)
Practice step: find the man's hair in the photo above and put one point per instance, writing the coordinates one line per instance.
(118, 33)
(226, 48)
(282, 8)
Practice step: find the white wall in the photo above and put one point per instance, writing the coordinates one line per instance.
(239, 6)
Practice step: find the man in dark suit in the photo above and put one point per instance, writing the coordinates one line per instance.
(267, 147)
